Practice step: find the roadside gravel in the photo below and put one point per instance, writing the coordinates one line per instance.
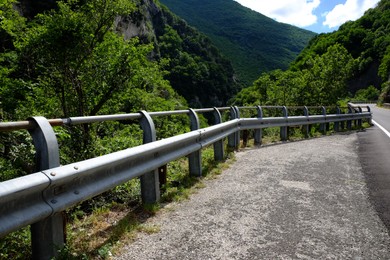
(298, 200)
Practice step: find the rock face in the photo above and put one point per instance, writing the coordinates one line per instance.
(139, 23)
(132, 25)
(129, 29)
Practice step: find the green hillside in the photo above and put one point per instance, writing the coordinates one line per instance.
(353, 61)
(253, 42)
(35, 48)
(195, 68)
(367, 40)
(94, 57)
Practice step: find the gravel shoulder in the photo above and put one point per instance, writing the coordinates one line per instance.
(298, 200)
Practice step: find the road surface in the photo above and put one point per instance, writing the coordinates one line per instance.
(299, 200)
(374, 155)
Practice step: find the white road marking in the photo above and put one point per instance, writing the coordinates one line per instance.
(382, 128)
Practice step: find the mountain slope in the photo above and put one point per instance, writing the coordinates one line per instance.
(253, 42)
(355, 60)
(367, 40)
(193, 66)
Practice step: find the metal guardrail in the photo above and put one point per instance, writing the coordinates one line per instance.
(39, 198)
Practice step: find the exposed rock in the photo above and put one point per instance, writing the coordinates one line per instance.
(139, 22)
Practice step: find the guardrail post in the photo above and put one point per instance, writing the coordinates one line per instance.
(323, 125)
(150, 185)
(237, 134)
(258, 132)
(232, 139)
(195, 158)
(349, 122)
(337, 124)
(284, 129)
(359, 121)
(369, 111)
(47, 236)
(306, 128)
(218, 146)
(342, 123)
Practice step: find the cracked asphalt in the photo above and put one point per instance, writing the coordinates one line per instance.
(298, 200)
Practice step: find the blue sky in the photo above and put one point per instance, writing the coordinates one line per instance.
(314, 15)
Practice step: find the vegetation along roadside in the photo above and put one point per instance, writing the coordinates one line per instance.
(94, 57)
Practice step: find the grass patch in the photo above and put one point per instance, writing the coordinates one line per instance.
(16, 245)
(100, 234)
(271, 135)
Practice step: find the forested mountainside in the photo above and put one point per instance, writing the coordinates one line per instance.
(253, 42)
(355, 60)
(367, 40)
(92, 57)
(193, 67)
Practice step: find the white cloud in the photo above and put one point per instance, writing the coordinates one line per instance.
(296, 12)
(350, 11)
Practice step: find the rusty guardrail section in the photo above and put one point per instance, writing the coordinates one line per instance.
(39, 198)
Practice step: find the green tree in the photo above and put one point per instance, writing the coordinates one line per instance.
(71, 62)
(74, 55)
(369, 94)
(11, 26)
(384, 68)
(327, 76)
(322, 82)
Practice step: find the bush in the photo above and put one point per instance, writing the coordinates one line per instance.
(367, 94)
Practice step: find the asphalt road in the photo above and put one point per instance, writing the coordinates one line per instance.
(374, 157)
(298, 200)
(381, 116)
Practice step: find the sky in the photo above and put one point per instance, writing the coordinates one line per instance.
(320, 16)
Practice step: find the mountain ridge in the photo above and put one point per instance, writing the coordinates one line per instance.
(253, 42)
(352, 62)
